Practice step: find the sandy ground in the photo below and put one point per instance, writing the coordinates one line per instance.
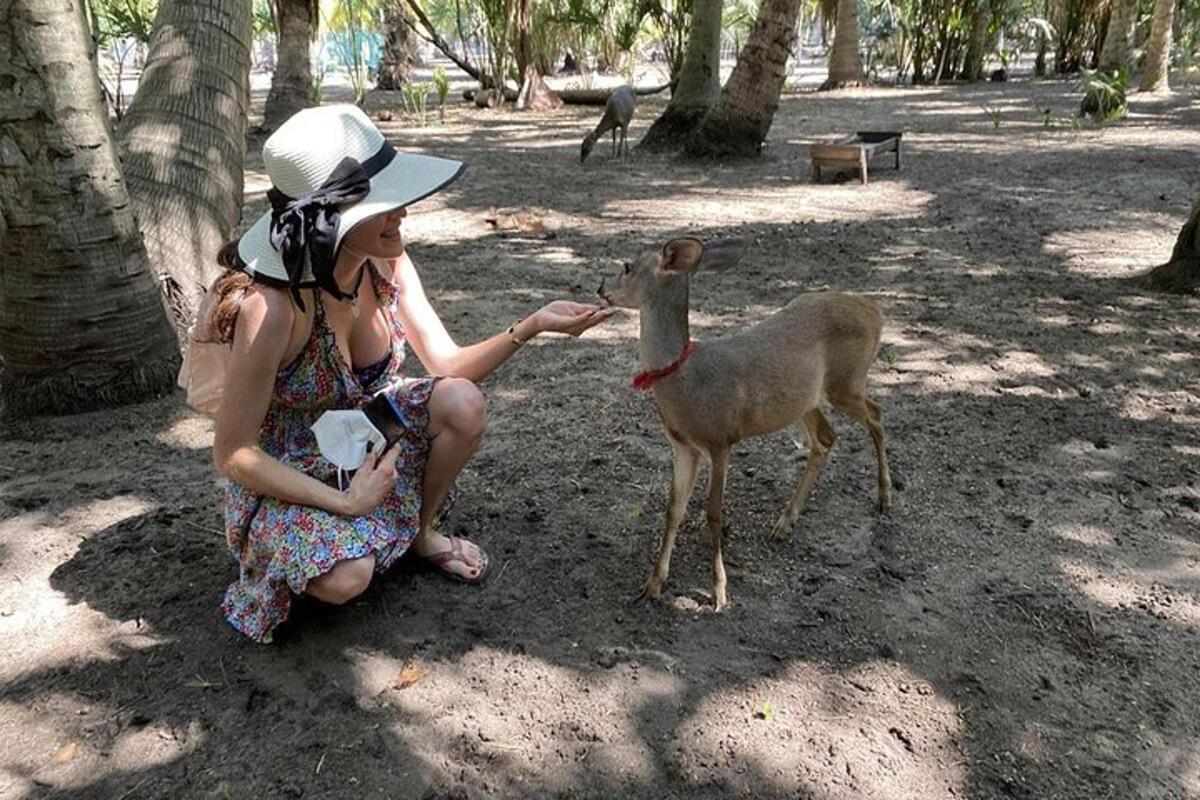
(1022, 624)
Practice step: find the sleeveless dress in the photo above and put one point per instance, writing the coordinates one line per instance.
(281, 546)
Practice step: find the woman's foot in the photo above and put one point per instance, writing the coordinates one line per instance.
(457, 558)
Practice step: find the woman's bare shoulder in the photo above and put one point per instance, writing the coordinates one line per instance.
(267, 313)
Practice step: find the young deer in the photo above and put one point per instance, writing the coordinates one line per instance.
(751, 383)
(618, 112)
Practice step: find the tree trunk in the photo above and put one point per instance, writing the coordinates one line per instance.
(977, 44)
(845, 64)
(431, 35)
(399, 51)
(82, 323)
(523, 45)
(738, 123)
(1180, 275)
(1114, 55)
(699, 82)
(184, 141)
(535, 95)
(292, 83)
(1158, 48)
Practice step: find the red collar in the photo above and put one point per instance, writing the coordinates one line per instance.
(644, 380)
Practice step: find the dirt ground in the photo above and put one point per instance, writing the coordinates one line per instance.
(1022, 624)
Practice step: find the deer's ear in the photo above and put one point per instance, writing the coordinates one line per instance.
(681, 255)
(721, 254)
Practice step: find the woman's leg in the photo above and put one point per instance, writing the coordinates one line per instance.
(457, 421)
(346, 581)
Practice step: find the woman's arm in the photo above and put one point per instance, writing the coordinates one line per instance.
(438, 351)
(264, 327)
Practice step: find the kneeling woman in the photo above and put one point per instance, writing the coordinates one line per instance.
(319, 301)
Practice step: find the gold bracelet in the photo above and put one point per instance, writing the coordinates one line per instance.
(512, 334)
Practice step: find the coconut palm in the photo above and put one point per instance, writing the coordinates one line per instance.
(81, 315)
(1158, 48)
(699, 81)
(845, 64)
(739, 121)
(184, 141)
(296, 22)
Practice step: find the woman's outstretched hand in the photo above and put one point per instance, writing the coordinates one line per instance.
(564, 316)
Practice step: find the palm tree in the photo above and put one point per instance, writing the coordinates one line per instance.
(699, 81)
(738, 123)
(1114, 55)
(845, 64)
(184, 141)
(292, 83)
(82, 323)
(1181, 274)
(1158, 48)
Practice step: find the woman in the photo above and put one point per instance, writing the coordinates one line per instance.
(319, 301)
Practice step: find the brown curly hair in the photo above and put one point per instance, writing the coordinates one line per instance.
(228, 289)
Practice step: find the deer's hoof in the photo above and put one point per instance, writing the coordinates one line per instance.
(782, 529)
(720, 602)
(651, 589)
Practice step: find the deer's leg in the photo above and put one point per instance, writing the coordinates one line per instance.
(684, 462)
(821, 437)
(863, 409)
(875, 426)
(716, 497)
(614, 145)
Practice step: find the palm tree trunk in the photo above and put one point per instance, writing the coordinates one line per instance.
(738, 123)
(1180, 275)
(977, 45)
(291, 85)
(699, 81)
(1158, 48)
(845, 64)
(82, 323)
(184, 141)
(1114, 55)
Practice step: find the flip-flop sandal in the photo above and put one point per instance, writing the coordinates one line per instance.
(457, 553)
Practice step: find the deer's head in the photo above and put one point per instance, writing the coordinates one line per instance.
(653, 270)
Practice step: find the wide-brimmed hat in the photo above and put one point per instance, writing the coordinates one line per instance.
(330, 169)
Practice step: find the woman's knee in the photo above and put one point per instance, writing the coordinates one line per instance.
(458, 404)
(346, 581)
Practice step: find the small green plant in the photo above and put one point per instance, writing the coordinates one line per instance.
(442, 84)
(1104, 95)
(415, 99)
(994, 115)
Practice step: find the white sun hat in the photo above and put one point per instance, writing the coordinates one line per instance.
(330, 169)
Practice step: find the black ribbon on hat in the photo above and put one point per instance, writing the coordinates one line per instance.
(308, 225)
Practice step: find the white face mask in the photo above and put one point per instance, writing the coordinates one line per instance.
(342, 437)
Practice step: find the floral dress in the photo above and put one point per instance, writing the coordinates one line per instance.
(281, 546)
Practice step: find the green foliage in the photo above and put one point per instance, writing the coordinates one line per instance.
(1104, 95)
(994, 115)
(347, 21)
(441, 82)
(415, 100)
(123, 19)
(264, 19)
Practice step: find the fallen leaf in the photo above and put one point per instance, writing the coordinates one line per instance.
(407, 676)
(65, 753)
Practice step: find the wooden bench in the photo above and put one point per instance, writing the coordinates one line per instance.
(855, 153)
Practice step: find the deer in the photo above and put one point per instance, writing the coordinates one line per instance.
(713, 394)
(618, 111)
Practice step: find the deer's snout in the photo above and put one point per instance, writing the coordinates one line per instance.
(600, 293)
